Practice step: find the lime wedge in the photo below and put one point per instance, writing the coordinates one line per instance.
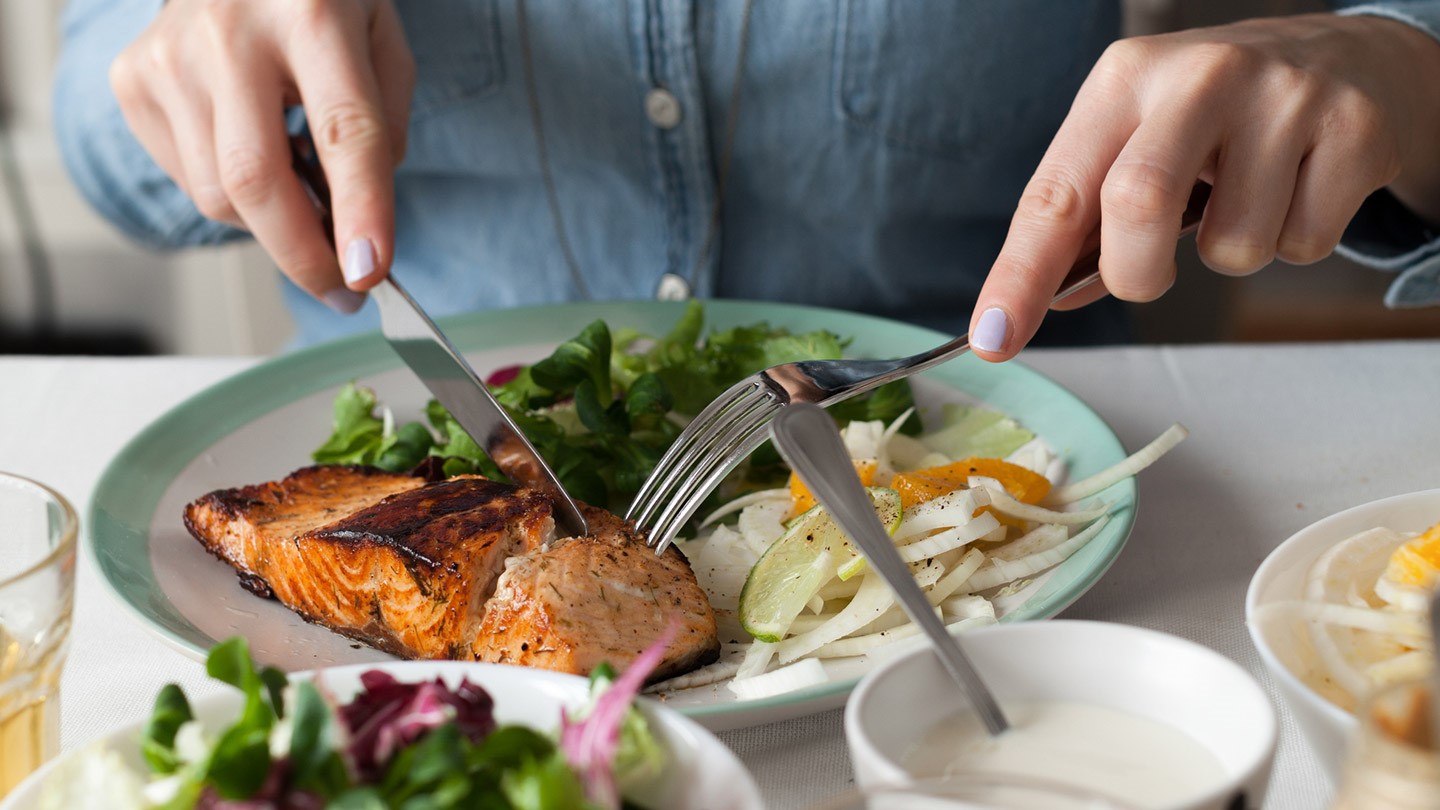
(889, 506)
(798, 564)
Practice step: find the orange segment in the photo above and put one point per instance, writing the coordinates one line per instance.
(802, 499)
(1417, 562)
(919, 486)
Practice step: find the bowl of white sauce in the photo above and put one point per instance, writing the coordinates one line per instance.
(1139, 717)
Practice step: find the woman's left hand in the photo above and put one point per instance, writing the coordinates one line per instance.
(1293, 121)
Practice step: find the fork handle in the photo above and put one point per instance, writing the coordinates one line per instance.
(860, 376)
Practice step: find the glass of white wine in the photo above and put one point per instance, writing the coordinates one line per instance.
(37, 590)
(1393, 761)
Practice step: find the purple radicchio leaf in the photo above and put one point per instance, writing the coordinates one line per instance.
(589, 745)
(388, 715)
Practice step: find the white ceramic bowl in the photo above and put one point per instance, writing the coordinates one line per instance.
(1282, 577)
(701, 774)
(1143, 672)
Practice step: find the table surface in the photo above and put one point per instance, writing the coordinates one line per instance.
(1281, 436)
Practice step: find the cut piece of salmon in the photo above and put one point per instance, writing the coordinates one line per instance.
(602, 597)
(411, 567)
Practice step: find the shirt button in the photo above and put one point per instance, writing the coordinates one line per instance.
(662, 108)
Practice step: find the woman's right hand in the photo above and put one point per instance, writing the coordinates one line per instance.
(205, 88)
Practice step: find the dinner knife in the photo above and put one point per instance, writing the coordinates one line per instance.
(443, 370)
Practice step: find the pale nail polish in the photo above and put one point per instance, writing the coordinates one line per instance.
(991, 330)
(343, 300)
(359, 260)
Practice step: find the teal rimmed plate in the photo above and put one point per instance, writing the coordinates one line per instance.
(261, 424)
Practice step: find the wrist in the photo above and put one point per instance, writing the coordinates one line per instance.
(1413, 56)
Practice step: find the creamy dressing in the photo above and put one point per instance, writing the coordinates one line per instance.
(1112, 753)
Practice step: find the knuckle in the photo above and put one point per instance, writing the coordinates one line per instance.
(1304, 248)
(310, 19)
(1140, 192)
(1234, 256)
(350, 127)
(1359, 117)
(161, 56)
(213, 203)
(1123, 61)
(1052, 197)
(1287, 81)
(1139, 288)
(223, 15)
(245, 177)
(1220, 59)
(124, 79)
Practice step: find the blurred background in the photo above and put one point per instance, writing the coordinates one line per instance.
(69, 284)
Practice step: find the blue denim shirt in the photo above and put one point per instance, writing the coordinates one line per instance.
(879, 151)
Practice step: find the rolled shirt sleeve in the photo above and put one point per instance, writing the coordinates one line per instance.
(108, 165)
(1385, 234)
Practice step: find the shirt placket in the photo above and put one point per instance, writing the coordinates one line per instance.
(684, 176)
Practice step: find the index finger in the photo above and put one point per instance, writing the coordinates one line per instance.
(1057, 215)
(335, 75)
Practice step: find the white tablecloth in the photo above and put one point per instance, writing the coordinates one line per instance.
(1280, 437)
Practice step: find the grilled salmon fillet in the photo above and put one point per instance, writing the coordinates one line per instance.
(412, 567)
(581, 601)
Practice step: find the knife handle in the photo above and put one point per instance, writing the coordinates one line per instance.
(306, 162)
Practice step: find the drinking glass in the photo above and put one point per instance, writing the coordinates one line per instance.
(37, 588)
(975, 791)
(1393, 762)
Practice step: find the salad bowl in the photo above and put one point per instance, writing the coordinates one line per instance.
(700, 772)
(1283, 646)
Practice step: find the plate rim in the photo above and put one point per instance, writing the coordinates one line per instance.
(313, 369)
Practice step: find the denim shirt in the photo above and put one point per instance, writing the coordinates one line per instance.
(879, 150)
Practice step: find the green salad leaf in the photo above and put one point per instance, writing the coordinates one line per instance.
(604, 406)
(272, 750)
(157, 741)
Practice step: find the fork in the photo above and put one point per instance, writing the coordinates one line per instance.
(733, 425)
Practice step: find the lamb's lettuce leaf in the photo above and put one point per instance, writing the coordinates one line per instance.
(604, 406)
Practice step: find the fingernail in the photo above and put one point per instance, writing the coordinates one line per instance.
(991, 330)
(343, 300)
(359, 260)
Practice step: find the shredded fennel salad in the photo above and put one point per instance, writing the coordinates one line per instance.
(1363, 613)
(418, 746)
(978, 509)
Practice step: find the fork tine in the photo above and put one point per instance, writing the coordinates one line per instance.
(664, 534)
(693, 441)
(718, 439)
(646, 498)
(739, 440)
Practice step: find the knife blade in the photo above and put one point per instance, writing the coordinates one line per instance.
(443, 370)
(435, 360)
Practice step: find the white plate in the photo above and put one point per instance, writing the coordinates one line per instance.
(262, 424)
(701, 773)
(1281, 577)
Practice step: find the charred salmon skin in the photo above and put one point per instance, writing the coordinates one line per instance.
(414, 567)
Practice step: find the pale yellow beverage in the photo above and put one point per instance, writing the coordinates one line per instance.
(1394, 758)
(37, 583)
